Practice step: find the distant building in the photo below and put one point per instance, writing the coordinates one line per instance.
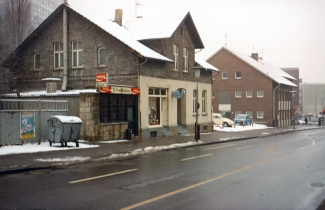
(41, 9)
(294, 72)
(249, 85)
(312, 98)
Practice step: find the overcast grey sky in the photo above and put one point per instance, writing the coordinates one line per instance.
(287, 33)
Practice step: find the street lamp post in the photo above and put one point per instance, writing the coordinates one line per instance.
(197, 126)
(323, 111)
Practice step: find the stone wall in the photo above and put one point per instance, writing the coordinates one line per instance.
(91, 128)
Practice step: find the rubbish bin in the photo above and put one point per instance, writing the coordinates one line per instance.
(64, 129)
(128, 134)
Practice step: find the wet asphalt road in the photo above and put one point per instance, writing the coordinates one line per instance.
(278, 172)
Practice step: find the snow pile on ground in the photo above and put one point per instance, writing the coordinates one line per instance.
(66, 159)
(43, 147)
(240, 128)
(147, 150)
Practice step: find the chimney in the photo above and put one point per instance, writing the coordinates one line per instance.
(65, 1)
(255, 56)
(118, 16)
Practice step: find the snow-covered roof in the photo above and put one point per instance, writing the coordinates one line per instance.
(57, 93)
(205, 64)
(274, 73)
(154, 28)
(67, 119)
(163, 27)
(120, 33)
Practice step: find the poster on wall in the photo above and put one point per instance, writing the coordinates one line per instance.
(27, 125)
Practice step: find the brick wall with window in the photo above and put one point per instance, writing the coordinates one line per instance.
(249, 81)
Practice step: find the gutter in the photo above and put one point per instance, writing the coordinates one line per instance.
(273, 111)
(65, 50)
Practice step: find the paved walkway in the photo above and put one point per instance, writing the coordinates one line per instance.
(23, 162)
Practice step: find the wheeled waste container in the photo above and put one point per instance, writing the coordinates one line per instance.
(63, 129)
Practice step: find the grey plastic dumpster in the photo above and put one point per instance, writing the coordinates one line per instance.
(64, 129)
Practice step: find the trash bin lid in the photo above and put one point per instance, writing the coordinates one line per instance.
(67, 119)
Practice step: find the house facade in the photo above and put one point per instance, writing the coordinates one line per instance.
(150, 85)
(248, 85)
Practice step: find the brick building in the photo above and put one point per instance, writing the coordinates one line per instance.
(145, 71)
(249, 85)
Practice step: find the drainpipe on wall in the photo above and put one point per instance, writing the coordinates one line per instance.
(65, 49)
(139, 102)
(274, 104)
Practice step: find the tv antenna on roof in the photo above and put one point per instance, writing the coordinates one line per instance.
(225, 39)
(136, 9)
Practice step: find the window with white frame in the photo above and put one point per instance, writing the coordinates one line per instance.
(237, 112)
(249, 94)
(58, 55)
(37, 61)
(260, 114)
(101, 55)
(194, 101)
(204, 101)
(185, 59)
(260, 93)
(238, 94)
(77, 54)
(224, 75)
(249, 113)
(175, 52)
(238, 74)
(155, 103)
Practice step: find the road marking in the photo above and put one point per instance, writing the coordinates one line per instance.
(271, 149)
(196, 157)
(243, 147)
(102, 176)
(211, 148)
(213, 179)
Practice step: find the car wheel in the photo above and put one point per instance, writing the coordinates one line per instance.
(225, 124)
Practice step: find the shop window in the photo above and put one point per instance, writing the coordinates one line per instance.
(113, 107)
(155, 103)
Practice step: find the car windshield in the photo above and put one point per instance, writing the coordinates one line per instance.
(240, 117)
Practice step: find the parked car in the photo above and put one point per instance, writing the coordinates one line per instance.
(243, 118)
(218, 119)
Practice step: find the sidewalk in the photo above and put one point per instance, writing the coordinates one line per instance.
(15, 163)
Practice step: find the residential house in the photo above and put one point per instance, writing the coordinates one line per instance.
(294, 72)
(150, 85)
(249, 85)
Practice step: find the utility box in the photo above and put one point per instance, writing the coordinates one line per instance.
(128, 134)
(63, 129)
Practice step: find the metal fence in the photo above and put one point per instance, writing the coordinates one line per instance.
(25, 120)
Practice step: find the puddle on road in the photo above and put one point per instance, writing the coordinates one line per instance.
(317, 184)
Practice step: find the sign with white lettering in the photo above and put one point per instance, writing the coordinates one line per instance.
(101, 79)
(120, 90)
